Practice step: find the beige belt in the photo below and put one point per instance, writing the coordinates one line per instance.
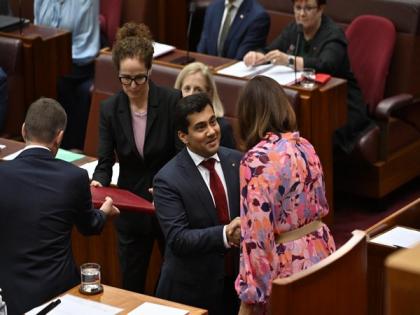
(299, 232)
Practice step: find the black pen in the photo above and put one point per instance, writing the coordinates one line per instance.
(49, 307)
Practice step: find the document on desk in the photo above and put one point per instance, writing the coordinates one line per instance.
(2, 146)
(71, 305)
(398, 236)
(90, 168)
(240, 70)
(161, 49)
(152, 309)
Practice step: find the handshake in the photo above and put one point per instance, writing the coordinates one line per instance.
(233, 232)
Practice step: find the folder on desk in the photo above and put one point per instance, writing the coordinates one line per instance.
(123, 199)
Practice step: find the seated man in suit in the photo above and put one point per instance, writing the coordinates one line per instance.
(196, 196)
(233, 27)
(41, 199)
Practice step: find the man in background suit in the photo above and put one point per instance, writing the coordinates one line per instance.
(199, 221)
(233, 27)
(41, 199)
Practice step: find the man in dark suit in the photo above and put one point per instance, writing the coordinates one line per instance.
(233, 27)
(41, 199)
(197, 206)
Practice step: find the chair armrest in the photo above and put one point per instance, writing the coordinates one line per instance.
(385, 107)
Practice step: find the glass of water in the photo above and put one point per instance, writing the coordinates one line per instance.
(308, 78)
(90, 278)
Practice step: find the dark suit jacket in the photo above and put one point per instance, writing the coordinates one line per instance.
(248, 30)
(193, 268)
(116, 135)
(41, 199)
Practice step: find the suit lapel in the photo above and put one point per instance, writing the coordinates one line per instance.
(124, 115)
(238, 22)
(216, 25)
(193, 176)
(152, 107)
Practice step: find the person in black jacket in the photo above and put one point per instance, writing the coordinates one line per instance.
(322, 46)
(137, 126)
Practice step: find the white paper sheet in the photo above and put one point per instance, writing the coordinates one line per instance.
(398, 237)
(2, 146)
(240, 70)
(71, 305)
(90, 168)
(153, 309)
(161, 49)
(282, 74)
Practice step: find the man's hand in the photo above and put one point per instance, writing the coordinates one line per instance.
(233, 232)
(95, 183)
(109, 208)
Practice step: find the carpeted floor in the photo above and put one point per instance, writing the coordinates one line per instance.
(352, 212)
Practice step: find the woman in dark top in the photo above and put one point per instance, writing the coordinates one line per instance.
(137, 127)
(322, 46)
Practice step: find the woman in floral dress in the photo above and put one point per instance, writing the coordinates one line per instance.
(282, 196)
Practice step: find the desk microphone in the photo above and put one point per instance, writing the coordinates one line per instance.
(298, 38)
(187, 59)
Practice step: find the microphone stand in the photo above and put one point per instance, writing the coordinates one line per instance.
(298, 38)
(187, 59)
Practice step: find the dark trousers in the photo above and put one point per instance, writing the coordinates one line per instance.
(136, 235)
(74, 94)
(230, 297)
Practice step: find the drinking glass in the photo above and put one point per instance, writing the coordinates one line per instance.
(90, 274)
(308, 78)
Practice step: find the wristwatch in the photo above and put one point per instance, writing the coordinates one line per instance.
(291, 61)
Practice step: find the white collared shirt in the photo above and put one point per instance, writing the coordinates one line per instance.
(34, 146)
(205, 174)
(236, 5)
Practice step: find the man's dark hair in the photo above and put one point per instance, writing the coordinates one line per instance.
(44, 119)
(318, 2)
(188, 105)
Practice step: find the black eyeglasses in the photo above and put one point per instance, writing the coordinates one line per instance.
(306, 9)
(138, 79)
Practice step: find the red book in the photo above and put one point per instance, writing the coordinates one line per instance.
(123, 199)
(322, 78)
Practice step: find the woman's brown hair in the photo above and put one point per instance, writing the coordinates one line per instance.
(133, 41)
(263, 107)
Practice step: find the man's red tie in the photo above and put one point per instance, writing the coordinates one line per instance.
(218, 192)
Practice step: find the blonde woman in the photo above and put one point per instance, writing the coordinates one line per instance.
(195, 78)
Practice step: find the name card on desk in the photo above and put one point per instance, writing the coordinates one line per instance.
(153, 309)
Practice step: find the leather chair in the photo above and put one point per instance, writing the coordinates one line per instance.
(11, 60)
(110, 19)
(388, 155)
(335, 285)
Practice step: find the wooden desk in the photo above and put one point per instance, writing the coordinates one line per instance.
(403, 282)
(47, 55)
(408, 216)
(128, 300)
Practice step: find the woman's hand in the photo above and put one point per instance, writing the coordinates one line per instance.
(95, 183)
(254, 58)
(276, 57)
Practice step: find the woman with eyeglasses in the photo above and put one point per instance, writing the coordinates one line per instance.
(136, 127)
(322, 46)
